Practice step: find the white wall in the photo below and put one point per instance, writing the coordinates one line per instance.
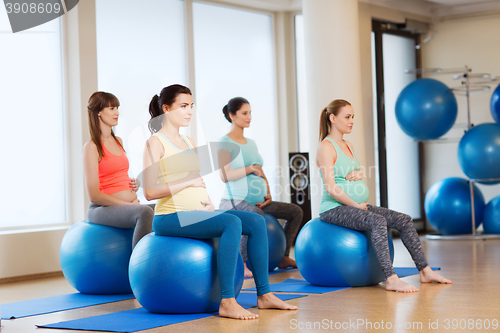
(473, 42)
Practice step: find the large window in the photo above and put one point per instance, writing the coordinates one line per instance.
(303, 119)
(32, 138)
(140, 50)
(234, 56)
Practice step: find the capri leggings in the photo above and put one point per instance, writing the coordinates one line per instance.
(139, 217)
(281, 210)
(377, 220)
(229, 226)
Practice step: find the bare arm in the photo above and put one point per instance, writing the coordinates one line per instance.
(228, 175)
(152, 190)
(326, 155)
(268, 198)
(91, 171)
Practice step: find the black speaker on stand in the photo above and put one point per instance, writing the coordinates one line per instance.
(299, 184)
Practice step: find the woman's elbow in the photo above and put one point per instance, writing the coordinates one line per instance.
(93, 196)
(148, 195)
(223, 177)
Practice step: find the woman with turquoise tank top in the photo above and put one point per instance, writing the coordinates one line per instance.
(345, 197)
(171, 175)
(247, 188)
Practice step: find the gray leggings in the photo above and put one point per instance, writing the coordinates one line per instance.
(377, 220)
(281, 210)
(139, 217)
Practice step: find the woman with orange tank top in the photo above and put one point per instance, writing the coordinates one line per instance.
(184, 209)
(111, 191)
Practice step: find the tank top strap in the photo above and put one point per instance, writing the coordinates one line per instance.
(106, 150)
(337, 148)
(167, 144)
(186, 140)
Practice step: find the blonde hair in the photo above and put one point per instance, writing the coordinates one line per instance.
(324, 119)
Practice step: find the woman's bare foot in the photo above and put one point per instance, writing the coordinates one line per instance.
(287, 262)
(231, 309)
(269, 301)
(248, 272)
(427, 275)
(394, 283)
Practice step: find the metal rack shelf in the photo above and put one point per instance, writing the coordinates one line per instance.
(472, 83)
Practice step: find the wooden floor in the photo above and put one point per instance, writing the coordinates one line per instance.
(472, 300)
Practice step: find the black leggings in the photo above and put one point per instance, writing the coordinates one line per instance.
(377, 220)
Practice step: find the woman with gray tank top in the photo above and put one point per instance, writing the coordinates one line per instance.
(345, 197)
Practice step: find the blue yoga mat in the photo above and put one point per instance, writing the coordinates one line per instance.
(407, 271)
(302, 286)
(299, 286)
(56, 303)
(140, 319)
(279, 271)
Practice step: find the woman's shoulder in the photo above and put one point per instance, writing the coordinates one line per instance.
(251, 141)
(153, 140)
(326, 146)
(89, 146)
(327, 143)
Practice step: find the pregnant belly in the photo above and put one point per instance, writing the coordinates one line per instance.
(356, 190)
(127, 195)
(257, 189)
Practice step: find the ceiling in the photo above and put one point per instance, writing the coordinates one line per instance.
(431, 8)
(459, 2)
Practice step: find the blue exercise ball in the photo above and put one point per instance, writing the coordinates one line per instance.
(448, 206)
(491, 218)
(94, 258)
(479, 152)
(276, 240)
(178, 275)
(495, 104)
(330, 255)
(426, 109)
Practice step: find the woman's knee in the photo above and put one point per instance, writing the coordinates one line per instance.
(232, 223)
(146, 213)
(377, 222)
(406, 221)
(296, 210)
(254, 224)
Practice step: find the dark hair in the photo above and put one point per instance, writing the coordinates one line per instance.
(232, 106)
(97, 102)
(324, 120)
(167, 97)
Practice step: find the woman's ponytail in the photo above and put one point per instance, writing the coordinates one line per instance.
(233, 106)
(225, 111)
(324, 124)
(324, 119)
(167, 97)
(156, 121)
